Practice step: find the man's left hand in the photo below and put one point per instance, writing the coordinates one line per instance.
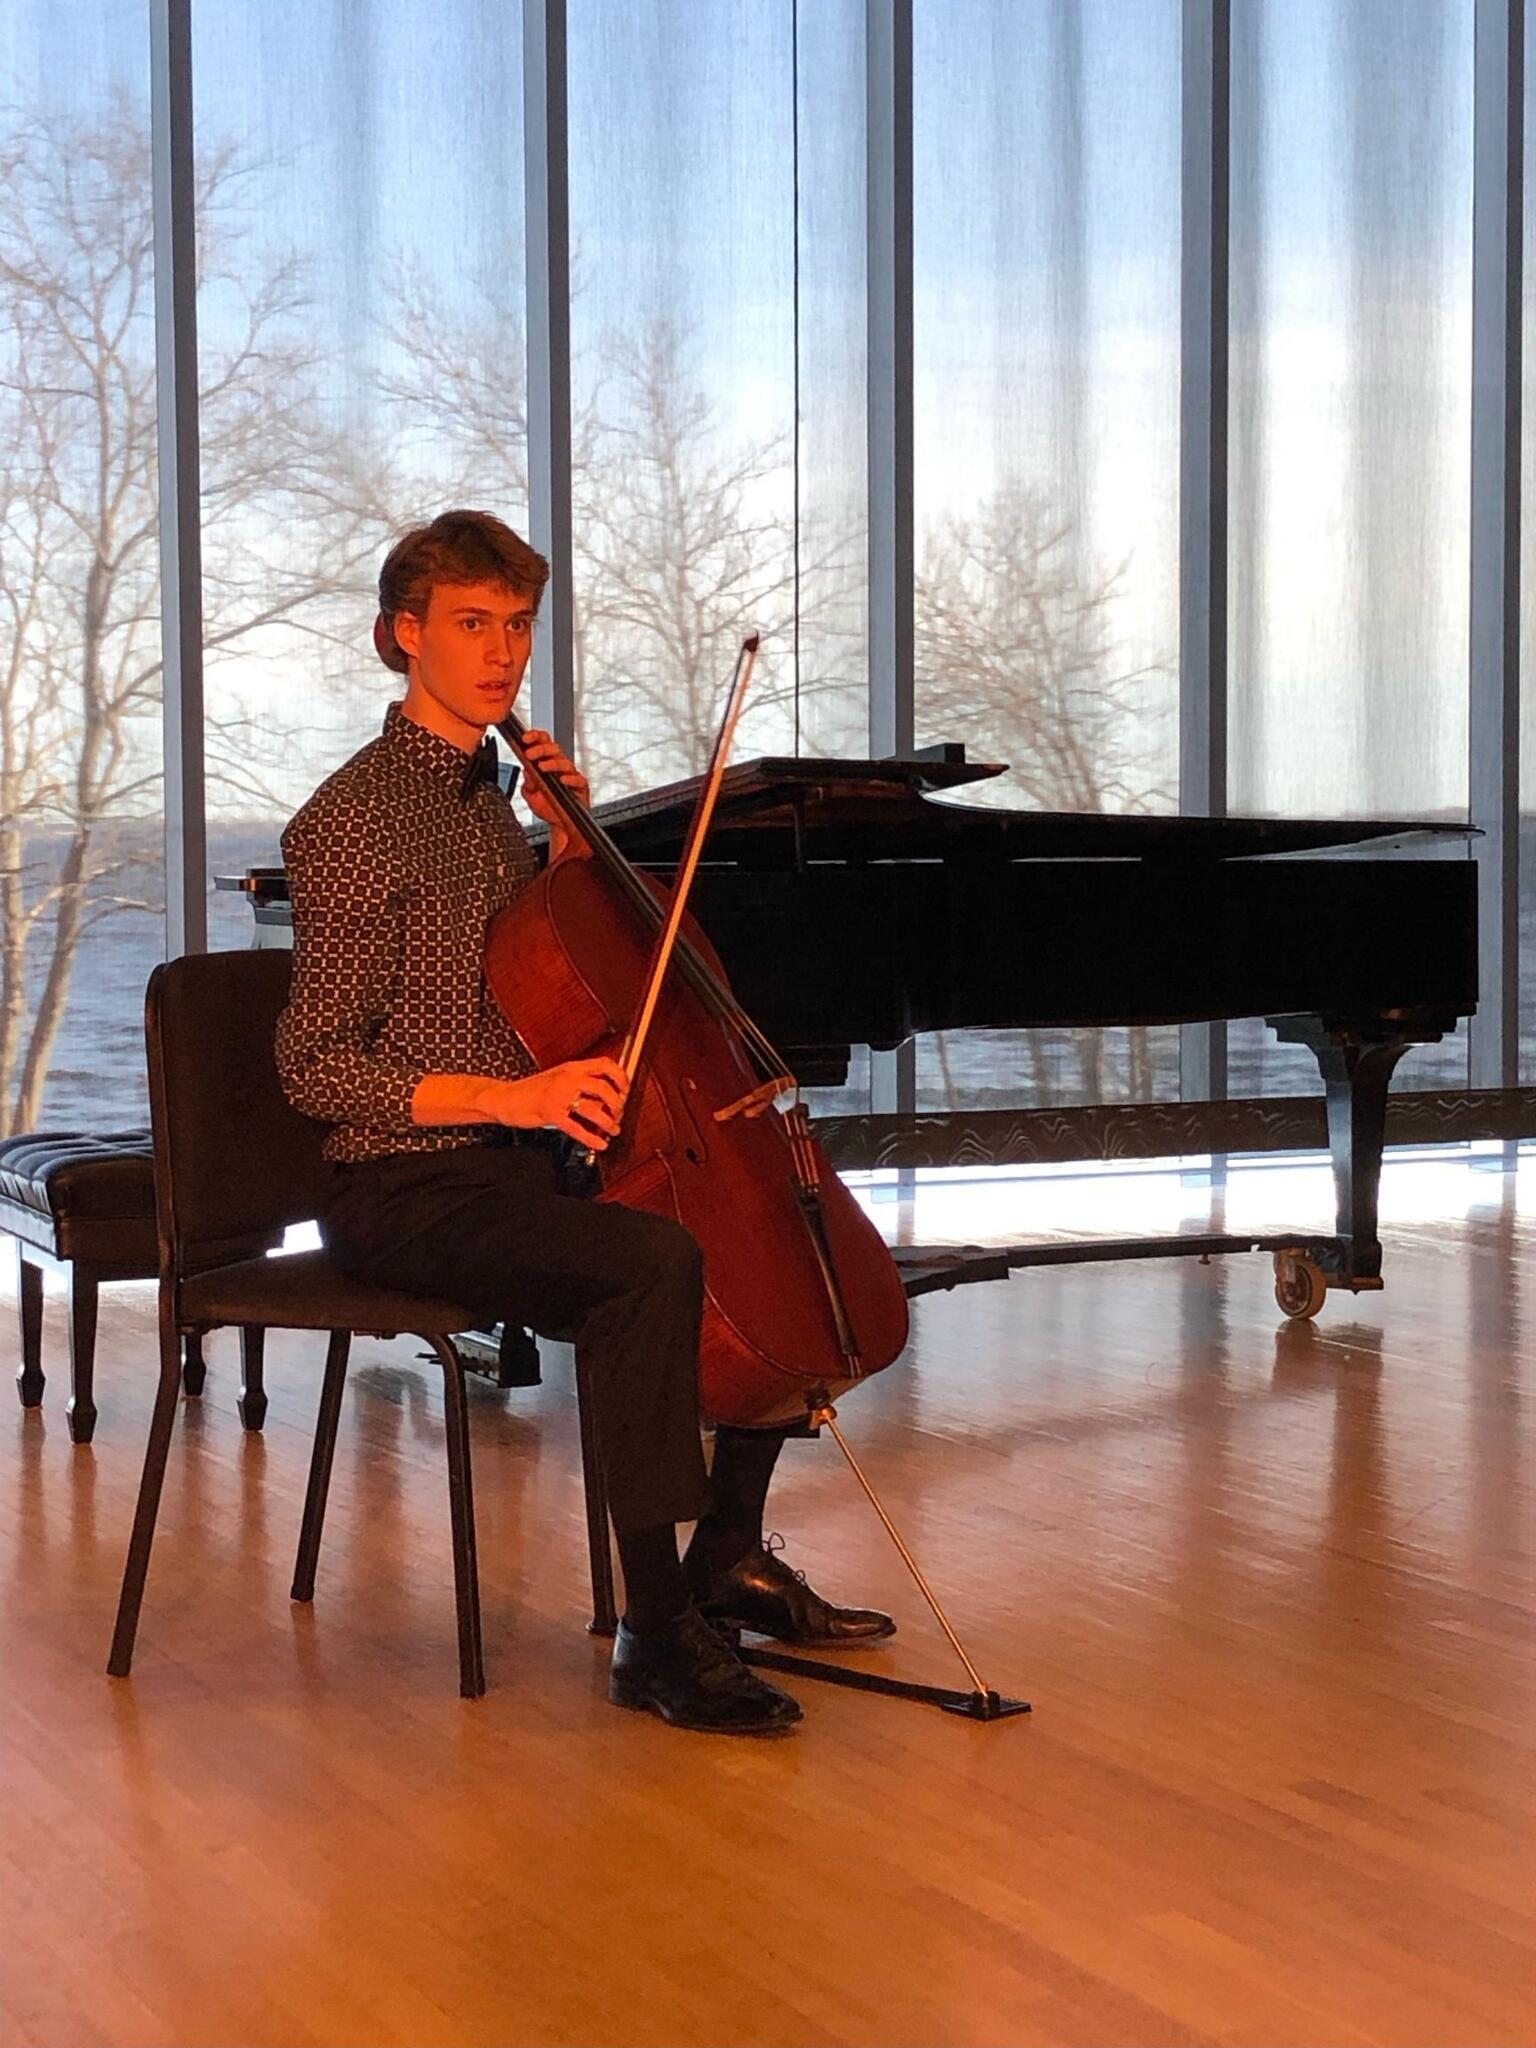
(544, 762)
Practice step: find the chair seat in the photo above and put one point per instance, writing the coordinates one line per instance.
(82, 1197)
(305, 1291)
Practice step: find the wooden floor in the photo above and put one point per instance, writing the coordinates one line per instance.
(1269, 1588)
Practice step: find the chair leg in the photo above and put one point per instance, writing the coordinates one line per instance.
(195, 1371)
(135, 1571)
(331, 1391)
(605, 1613)
(81, 1412)
(461, 1502)
(29, 1293)
(253, 1392)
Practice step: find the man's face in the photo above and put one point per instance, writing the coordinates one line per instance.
(471, 649)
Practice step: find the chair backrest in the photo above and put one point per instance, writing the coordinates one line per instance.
(235, 1163)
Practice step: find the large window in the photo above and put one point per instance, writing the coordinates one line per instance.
(361, 296)
(717, 211)
(81, 868)
(1351, 425)
(360, 177)
(1046, 312)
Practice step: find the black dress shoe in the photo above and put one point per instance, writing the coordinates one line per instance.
(762, 1593)
(688, 1674)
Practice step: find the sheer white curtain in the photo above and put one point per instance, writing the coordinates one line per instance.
(1351, 393)
(1047, 203)
(360, 309)
(717, 209)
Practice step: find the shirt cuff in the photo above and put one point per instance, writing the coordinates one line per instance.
(392, 1105)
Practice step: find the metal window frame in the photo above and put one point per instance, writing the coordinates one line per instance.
(1204, 312)
(1493, 657)
(173, 198)
(890, 484)
(888, 197)
(547, 200)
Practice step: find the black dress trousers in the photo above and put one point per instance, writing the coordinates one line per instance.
(490, 1225)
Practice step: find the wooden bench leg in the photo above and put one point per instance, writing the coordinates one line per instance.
(81, 1412)
(252, 1402)
(29, 1293)
(194, 1370)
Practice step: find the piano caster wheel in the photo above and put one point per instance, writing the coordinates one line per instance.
(1300, 1287)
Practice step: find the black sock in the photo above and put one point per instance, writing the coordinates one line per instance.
(732, 1524)
(655, 1589)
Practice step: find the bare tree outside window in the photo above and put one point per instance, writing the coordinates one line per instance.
(1017, 649)
(291, 525)
(1019, 654)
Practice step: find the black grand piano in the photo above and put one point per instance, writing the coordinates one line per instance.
(861, 903)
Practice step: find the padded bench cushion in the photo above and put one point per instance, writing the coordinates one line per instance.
(82, 1197)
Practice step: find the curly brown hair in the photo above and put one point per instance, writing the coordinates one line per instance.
(455, 547)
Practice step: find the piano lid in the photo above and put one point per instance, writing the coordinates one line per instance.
(780, 811)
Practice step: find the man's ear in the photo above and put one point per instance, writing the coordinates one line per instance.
(408, 632)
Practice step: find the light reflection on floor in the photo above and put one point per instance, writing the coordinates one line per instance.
(1144, 1198)
(1001, 1205)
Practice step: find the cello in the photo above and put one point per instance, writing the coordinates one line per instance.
(802, 1298)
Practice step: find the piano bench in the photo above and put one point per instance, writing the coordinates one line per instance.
(84, 1206)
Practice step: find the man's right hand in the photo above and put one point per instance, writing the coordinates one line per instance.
(583, 1098)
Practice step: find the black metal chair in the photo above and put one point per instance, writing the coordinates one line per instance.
(232, 1158)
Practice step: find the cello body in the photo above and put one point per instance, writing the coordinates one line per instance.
(566, 962)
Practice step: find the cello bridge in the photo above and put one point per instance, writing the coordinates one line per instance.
(756, 1100)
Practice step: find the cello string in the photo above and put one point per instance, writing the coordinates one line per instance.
(715, 995)
(717, 999)
(701, 977)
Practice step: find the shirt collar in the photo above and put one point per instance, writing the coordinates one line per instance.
(428, 751)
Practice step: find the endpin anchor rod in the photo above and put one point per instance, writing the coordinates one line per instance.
(825, 1417)
(981, 1703)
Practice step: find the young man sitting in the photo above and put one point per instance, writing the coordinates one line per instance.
(454, 1158)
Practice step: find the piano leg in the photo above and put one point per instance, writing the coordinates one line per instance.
(1357, 1063)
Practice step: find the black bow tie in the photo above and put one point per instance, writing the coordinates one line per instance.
(482, 767)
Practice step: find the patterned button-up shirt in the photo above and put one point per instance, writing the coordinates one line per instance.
(395, 875)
